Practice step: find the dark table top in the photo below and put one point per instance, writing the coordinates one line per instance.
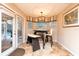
(42, 31)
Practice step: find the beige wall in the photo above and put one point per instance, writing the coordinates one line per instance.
(68, 37)
(16, 9)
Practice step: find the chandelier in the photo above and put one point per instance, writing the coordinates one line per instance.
(41, 18)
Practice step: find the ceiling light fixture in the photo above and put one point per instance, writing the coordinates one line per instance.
(41, 18)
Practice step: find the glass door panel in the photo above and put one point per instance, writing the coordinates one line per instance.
(7, 31)
(19, 30)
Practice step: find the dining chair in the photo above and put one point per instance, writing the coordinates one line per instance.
(48, 37)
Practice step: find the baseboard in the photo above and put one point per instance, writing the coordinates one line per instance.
(6, 53)
(73, 54)
(11, 51)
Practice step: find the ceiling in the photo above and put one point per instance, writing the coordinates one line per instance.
(48, 9)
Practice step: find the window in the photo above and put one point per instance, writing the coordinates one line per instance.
(30, 25)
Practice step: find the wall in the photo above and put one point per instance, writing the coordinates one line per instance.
(15, 9)
(68, 37)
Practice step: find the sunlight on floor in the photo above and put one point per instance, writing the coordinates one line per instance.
(56, 50)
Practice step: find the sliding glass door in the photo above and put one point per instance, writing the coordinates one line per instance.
(7, 29)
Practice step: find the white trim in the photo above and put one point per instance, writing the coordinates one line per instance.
(23, 30)
(16, 42)
(0, 31)
(73, 53)
(76, 24)
(14, 32)
(26, 28)
(8, 12)
(77, 7)
(6, 6)
(9, 51)
(78, 15)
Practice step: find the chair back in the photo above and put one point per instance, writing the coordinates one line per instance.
(51, 30)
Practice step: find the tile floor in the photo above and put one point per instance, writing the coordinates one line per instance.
(55, 50)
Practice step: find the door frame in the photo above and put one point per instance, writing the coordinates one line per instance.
(8, 12)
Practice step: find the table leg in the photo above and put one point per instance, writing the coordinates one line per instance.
(35, 44)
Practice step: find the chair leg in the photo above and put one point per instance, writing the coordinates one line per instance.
(46, 38)
(43, 45)
(43, 39)
(51, 41)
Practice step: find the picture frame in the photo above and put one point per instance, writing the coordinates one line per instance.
(71, 18)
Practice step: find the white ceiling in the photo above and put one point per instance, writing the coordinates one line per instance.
(48, 9)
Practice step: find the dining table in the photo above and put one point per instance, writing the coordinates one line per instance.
(34, 40)
(40, 31)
